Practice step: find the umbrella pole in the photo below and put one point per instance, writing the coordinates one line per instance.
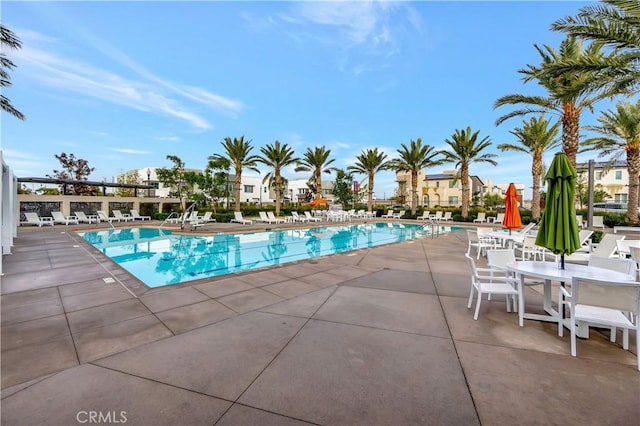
(562, 261)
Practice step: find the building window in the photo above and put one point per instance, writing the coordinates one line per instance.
(618, 174)
(453, 201)
(598, 175)
(264, 189)
(620, 198)
(453, 184)
(437, 184)
(248, 189)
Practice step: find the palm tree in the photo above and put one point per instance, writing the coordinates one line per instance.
(467, 149)
(239, 156)
(8, 39)
(569, 93)
(370, 162)
(412, 159)
(276, 156)
(316, 161)
(615, 23)
(535, 138)
(620, 130)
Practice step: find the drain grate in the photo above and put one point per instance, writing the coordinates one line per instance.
(108, 280)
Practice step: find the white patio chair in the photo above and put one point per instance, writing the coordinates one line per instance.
(398, 215)
(482, 218)
(389, 215)
(605, 248)
(105, 217)
(312, 218)
(178, 219)
(437, 217)
(425, 215)
(298, 218)
(205, 218)
(272, 217)
(448, 216)
(34, 219)
(117, 214)
(136, 216)
(58, 217)
(263, 217)
(480, 245)
(598, 222)
(579, 221)
(602, 303)
(237, 217)
(489, 284)
(84, 218)
(498, 219)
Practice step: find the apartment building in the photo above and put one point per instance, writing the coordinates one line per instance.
(614, 179)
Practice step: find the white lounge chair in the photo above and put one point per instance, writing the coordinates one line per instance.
(206, 217)
(498, 219)
(389, 215)
(136, 216)
(312, 218)
(447, 216)
(298, 218)
(425, 215)
(104, 217)
(84, 218)
(437, 216)
(34, 219)
(263, 217)
(178, 219)
(237, 217)
(58, 217)
(605, 248)
(272, 217)
(482, 218)
(398, 215)
(117, 214)
(598, 222)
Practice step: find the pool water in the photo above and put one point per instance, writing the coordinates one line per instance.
(158, 257)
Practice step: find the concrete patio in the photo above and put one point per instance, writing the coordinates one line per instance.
(380, 336)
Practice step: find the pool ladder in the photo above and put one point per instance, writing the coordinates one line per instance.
(432, 228)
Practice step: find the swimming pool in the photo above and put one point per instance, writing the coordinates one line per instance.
(158, 257)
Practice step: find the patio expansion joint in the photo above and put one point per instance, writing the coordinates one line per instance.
(66, 318)
(453, 342)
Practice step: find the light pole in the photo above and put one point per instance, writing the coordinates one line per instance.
(227, 190)
(148, 182)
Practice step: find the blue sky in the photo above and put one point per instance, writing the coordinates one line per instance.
(124, 84)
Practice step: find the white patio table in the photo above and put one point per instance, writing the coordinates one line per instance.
(510, 237)
(550, 271)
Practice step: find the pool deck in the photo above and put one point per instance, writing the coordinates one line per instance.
(379, 336)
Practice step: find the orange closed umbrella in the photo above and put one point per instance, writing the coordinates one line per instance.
(511, 212)
(319, 201)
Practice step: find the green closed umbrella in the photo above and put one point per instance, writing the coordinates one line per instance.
(558, 230)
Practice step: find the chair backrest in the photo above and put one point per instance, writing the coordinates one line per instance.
(584, 236)
(134, 213)
(619, 295)
(81, 215)
(598, 221)
(528, 227)
(102, 215)
(447, 215)
(438, 215)
(238, 215)
(624, 246)
(207, 216)
(32, 217)
(607, 246)
(295, 214)
(263, 215)
(499, 218)
(500, 258)
(472, 266)
(390, 212)
(117, 213)
(626, 266)
(425, 214)
(579, 219)
(307, 214)
(58, 217)
(270, 215)
(635, 254)
(481, 216)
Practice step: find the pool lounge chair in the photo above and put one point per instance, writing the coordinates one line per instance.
(206, 218)
(84, 218)
(34, 219)
(447, 217)
(389, 215)
(103, 216)
(58, 217)
(425, 215)
(298, 218)
(136, 216)
(117, 214)
(237, 217)
(312, 218)
(274, 219)
(482, 218)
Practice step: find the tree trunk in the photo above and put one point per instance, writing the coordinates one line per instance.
(414, 190)
(536, 171)
(237, 183)
(464, 176)
(319, 183)
(370, 195)
(570, 132)
(278, 181)
(633, 167)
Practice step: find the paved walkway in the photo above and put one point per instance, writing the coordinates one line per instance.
(375, 337)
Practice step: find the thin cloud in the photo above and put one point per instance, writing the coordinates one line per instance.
(149, 94)
(131, 151)
(167, 138)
